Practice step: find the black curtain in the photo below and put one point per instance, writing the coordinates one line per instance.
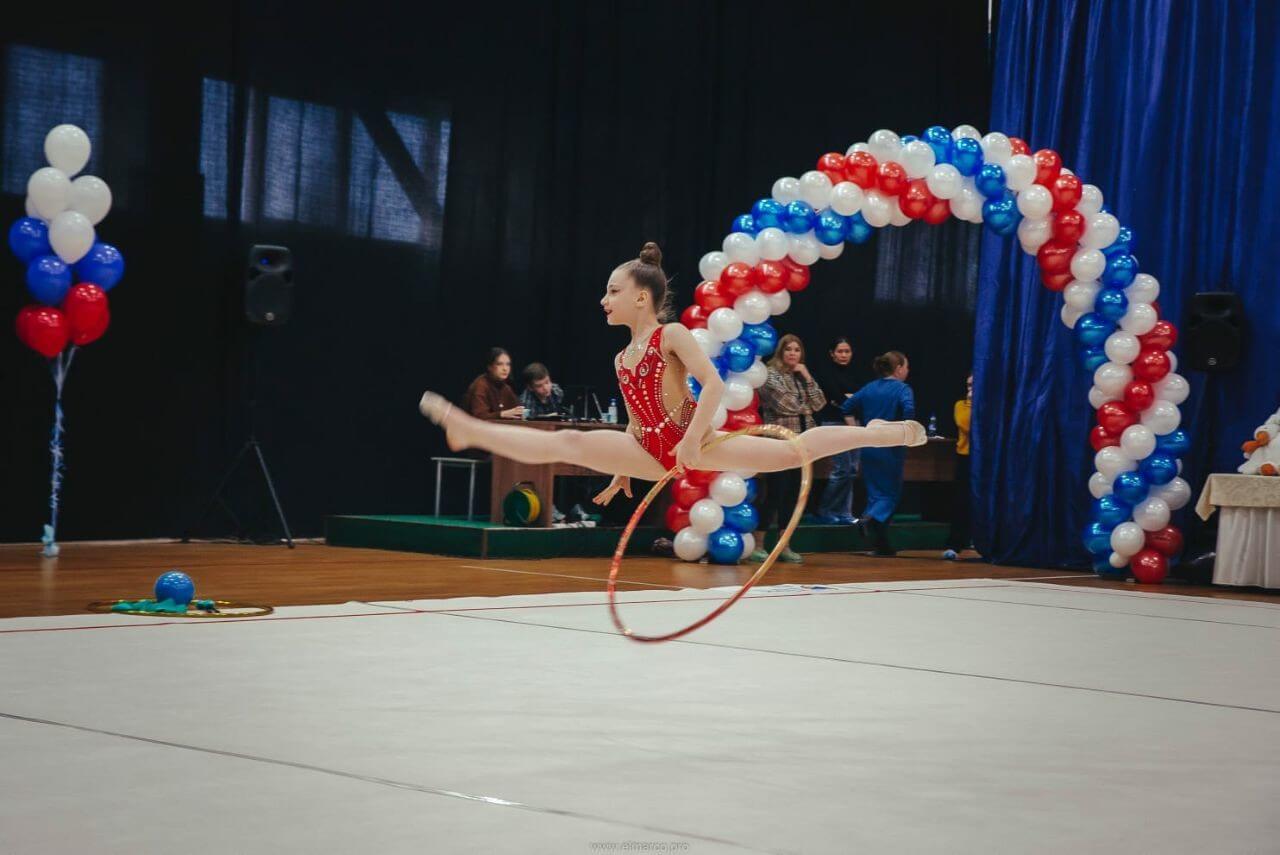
(565, 135)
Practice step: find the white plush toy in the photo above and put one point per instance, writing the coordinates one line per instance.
(1262, 453)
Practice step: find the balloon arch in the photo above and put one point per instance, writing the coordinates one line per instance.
(1082, 251)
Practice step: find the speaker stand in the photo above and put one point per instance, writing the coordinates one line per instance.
(251, 444)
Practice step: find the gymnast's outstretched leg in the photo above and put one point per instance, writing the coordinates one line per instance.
(763, 454)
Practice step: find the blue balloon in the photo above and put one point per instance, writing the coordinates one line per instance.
(103, 266)
(762, 336)
(1120, 271)
(724, 545)
(1130, 487)
(722, 366)
(1102, 566)
(1110, 511)
(742, 517)
(753, 490)
(175, 585)
(1097, 538)
(29, 239)
(1159, 468)
(1122, 245)
(1093, 357)
(967, 155)
(48, 280)
(909, 138)
(939, 139)
(695, 388)
(768, 213)
(1092, 329)
(1002, 214)
(799, 217)
(1111, 303)
(991, 181)
(1175, 444)
(745, 223)
(832, 228)
(859, 231)
(738, 354)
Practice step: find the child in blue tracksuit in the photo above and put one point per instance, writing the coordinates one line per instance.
(891, 399)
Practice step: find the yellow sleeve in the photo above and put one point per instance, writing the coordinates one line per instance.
(962, 412)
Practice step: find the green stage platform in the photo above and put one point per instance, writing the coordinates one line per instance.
(475, 539)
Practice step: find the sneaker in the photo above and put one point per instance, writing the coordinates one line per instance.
(826, 519)
(758, 556)
(950, 555)
(790, 557)
(849, 520)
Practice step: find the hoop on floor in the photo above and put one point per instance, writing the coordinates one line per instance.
(806, 478)
(209, 609)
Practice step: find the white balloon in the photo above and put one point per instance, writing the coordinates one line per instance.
(1088, 264)
(67, 148)
(1163, 417)
(729, 489)
(1112, 377)
(803, 249)
(1128, 539)
(1144, 289)
(896, 215)
(710, 345)
(967, 205)
(1035, 233)
(876, 210)
(1100, 231)
(1070, 316)
(996, 149)
(712, 265)
(71, 236)
(1097, 397)
(815, 188)
(963, 131)
(740, 246)
(1138, 441)
(1090, 200)
(689, 544)
(944, 181)
(884, 145)
(1139, 318)
(1036, 201)
(1117, 560)
(757, 374)
(1175, 494)
(1111, 461)
(706, 516)
(737, 394)
(846, 197)
(1080, 295)
(771, 244)
(1100, 485)
(748, 543)
(1122, 347)
(50, 191)
(719, 417)
(1066, 171)
(856, 147)
(918, 159)
(1173, 360)
(31, 209)
(1173, 388)
(91, 196)
(753, 307)
(724, 324)
(1020, 173)
(1151, 513)
(830, 253)
(779, 302)
(786, 189)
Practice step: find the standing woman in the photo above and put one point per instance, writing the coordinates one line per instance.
(889, 399)
(839, 380)
(791, 398)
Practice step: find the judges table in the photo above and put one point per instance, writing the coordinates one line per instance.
(1249, 529)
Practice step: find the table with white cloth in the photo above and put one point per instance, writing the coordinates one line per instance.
(1249, 529)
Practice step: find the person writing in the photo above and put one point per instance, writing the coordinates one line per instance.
(490, 396)
(540, 397)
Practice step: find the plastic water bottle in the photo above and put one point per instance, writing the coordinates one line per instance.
(933, 424)
(612, 415)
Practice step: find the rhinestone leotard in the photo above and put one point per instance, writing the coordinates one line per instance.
(657, 430)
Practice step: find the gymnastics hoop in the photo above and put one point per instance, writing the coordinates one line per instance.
(222, 609)
(806, 479)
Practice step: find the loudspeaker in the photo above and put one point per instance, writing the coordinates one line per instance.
(268, 289)
(1213, 336)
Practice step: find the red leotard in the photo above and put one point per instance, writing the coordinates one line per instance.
(657, 430)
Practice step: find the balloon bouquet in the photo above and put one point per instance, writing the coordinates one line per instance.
(57, 243)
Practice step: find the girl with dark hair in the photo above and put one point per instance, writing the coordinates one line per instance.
(839, 381)
(490, 395)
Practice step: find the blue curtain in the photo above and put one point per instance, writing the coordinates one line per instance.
(1172, 109)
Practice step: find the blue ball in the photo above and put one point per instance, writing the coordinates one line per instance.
(1123, 243)
(1120, 271)
(742, 517)
(799, 217)
(29, 239)
(768, 213)
(991, 181)
(175, 585)
(762, 336)
(753, 490)
(831, 228)
(724, 545)
(746, 224)
(738, 354)
(103, 266)
(1159, 468)
(48, 279)
(1110, 511)
(1130, 487)
(1092, 330)
(1111, 303)
(1097, 538)
(1175, 444)
(939, 139)
(859, 231)
(967, 155)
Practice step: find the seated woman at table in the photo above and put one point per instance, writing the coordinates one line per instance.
(490, 396)
(889, 399)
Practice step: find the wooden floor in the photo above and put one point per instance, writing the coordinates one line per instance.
(315, 573)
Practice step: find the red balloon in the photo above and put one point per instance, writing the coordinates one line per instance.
(860, 168)
(710, 296)
(1068, 227)
(677, 517)
(739, 419)
(1048, 166)
(694, 317)
(797, 275)
(1056, 281)
(1019, 145)
(1162, 336)
(938, 212)
(686, 493)
(701, 476)
(1139, 395)
(1151, 365)
(1100, 439)
(770, 276)
(1149, 567)
(1114, 417)
(891, 178)
(1167, 541)
(1055, 256)
(832, 165)
(735, 280)
(47, 331)
(22, 322)
(1066, 191)
(917, 199)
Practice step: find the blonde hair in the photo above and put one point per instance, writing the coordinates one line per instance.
(775, 361)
